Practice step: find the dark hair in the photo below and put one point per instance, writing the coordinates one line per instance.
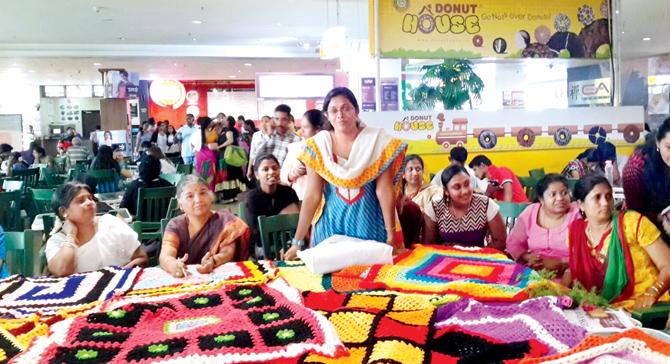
(241, 117)
(230, 122)
(656, 173)
(145, 144)
(5, 148)
(283, 108)
(479, 160)
(204, 122)
(16, 155)
(104, 159)
(606, 152)
(64, 195)
(547, 180)
(316, 118)
(340, 91)
(587, 153)
(40, 150)
(150, 168)
(250, 125)
(412, 157)
(450, 172)
(261, 158)
(155, 151)
(458, 154)
(191, 115)
(586, 184)
(33, 145)
(124, 73)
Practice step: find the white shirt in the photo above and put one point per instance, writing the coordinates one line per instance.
(167, 167)
(256, 141)
(161, 142)
(114, 243)
(478, 185)
(186, 133)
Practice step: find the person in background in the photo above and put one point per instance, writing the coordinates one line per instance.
(607, 157)
(278, 142)
(160, 136)
(458, 155)
(28, 155)
(201, 236)
(206, 158)
(77, 152)
(15, 164)
(293, 172)
(240, 122)
(144, 135)
(352, 171)
(174, 147)
(578, 167)
(93, 137)
(167, 167)
(220, 118)
(247, 134)
(119, 157)
(4, 273)
(184, 133)
(461, 217)
(83, 242)
(230, 178)
(539, 233)
(258, 138)
(70, 133)
(61, 150)
(105, 160)
(143, 150)
(415, 195)
(618, 253)
(5, 153)
(509, 188)
(646, 179)
(40, 157)
(149, 170)
(270, 198)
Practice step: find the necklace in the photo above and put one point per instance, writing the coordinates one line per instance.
(596, 245)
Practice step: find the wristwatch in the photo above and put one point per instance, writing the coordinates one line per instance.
(299, 243)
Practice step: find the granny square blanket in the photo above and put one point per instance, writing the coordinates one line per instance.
(540, 319)
(21, 296)
(399, 329)
(233, 324)
(480, 273)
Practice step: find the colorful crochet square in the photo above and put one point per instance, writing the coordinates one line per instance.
(632, 346)
(20, 296)
(402, 332)
(538, 319)
(9, 346)
(480, 273)
(298, 276)
(155, 281)
(233, 324)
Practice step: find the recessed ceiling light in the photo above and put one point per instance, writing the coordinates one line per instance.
(616, 12)
(194, 39)
(622, 32)
(174, 64)
(31, 71)
(232, 76)
(196, 21)
(122, 38)
(239, 71)
(278, 24)
(97, 64)
(248, 64)
(646, 39)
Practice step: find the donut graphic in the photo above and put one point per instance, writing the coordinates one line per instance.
(487, 139)
(597, 135)
(562, 137)
(525, 137)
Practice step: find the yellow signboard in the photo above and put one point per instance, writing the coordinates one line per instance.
(492, 28)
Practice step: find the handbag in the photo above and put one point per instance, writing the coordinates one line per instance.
(235, 156)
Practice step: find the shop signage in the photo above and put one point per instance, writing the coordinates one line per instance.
(166, 93)
(368, 102)
(589, 92)
(493, 28)
(389, 94)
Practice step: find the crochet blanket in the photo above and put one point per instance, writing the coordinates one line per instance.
(156, 281)
(9, 346)
(21, 296)
(483, 274)
(298, 276)
(541, 319)
(233, 324)
(399, 329)
(632, 346)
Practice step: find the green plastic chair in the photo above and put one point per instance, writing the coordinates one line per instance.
(106, 180)
(30, 178)
(51, 178)
(510, 211)
(152, 206)
(537, 174)
(185, 168)
(242, 212)
(40, 201)
(173, 178)
(174, 160)
(529, 185)
(60, 164)
(10, 213)
(276, 233)
(23, 252)
(173, 209)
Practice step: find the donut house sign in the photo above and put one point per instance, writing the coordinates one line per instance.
(512, 129)
(492, 28)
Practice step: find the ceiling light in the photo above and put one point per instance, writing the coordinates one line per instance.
(616, 12)
(278, 24)
(31, 71)
(239, 71)
(646, 39)
(122, 38)
(232, 76)
(305, 45)
(97, 64)
(196, 21)
(174, 64)
(248, 64)
(194, 39)
(622, 32)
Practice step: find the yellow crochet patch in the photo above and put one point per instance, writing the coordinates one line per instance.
(398, 351)
(352, 327)
(421, 317)
(474, 270)
(365, 301)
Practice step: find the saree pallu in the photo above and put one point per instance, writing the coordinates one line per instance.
(349, 205)
(205, 166)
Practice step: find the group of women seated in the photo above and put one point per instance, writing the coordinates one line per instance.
(353, 174)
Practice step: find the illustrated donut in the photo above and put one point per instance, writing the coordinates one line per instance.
(597, 135)
(631, 134)
(562, 137)
(426, 23)
(487, 139)
(525, 137)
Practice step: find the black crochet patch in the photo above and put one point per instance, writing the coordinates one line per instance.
(101, 335)
(202, 301)
(158, 350)
(236, 339)
(295, 331)
(83, 354)
(269, 316)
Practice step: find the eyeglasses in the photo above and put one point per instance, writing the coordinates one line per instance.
(346, 109)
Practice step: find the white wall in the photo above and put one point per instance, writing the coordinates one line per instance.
(50, 111)
(19, 98)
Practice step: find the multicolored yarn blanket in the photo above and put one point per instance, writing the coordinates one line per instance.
(399, 329)
(483, 274)
(155, 281)
(541, 319)
(298, 276)
(632, 346)
(9, 346)
(21, 296)
(234, 324)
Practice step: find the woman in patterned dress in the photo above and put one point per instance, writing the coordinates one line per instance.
(461, 217)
